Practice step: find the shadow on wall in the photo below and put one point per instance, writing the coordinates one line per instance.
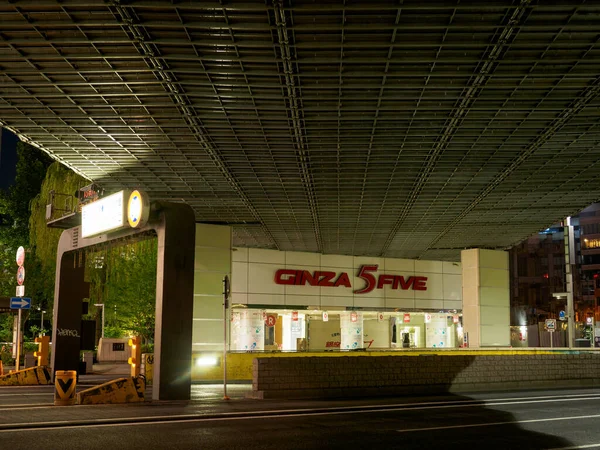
(429, 416)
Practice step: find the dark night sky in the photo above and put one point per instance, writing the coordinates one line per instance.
(8, 158)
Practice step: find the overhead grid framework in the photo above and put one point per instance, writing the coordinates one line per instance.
(399, 128)
(169, 80)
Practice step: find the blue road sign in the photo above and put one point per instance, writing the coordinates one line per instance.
(561, 315)
(20, 303)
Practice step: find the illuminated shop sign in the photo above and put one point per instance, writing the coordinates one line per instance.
(325, 278)
(114, 212)
(103, 215)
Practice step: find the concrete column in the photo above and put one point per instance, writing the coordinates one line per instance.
(486, 297)
(212, 263)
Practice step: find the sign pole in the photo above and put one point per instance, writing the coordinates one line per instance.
(225, 298)
(17, 364)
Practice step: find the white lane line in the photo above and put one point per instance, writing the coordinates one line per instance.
(577, 446)
(29, 395)
(26, 406)
(282, 414)
(490, 424)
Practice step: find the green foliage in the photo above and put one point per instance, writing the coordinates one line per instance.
(6, 327)
(6, 355)
(41, 263)
(123, 278)
(14, 204)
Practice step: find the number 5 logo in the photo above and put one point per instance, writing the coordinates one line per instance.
(368, 277)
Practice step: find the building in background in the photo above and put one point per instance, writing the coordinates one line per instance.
(8, 158)
(538, 277)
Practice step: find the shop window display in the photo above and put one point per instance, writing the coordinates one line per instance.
(254, 329)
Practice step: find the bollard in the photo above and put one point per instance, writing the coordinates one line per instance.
(1, 368)
(148, 366)
(65, 382)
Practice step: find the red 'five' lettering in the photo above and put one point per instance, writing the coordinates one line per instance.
(368, 277)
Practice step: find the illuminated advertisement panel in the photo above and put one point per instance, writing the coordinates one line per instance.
(103, 215)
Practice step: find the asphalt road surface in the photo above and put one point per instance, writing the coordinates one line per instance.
(565, 419)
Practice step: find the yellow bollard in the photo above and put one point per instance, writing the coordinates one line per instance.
(65, 382)
(149, 367)
(1, 368)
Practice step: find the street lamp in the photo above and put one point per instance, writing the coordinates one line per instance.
(42, 321)
(102, 305)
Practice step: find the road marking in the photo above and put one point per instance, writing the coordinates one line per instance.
(29, 395)
(28, 406)
(577, 446)
(490, 424)
(253, 415)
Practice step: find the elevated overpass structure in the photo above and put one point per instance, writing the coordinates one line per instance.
(401, 129)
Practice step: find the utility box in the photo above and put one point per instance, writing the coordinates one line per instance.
(88, 359)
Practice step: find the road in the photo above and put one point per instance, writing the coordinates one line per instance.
(521, 420)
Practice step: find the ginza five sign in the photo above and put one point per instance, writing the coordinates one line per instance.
(332, 279)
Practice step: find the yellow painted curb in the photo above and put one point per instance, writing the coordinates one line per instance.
(121, 390)
(27, 377)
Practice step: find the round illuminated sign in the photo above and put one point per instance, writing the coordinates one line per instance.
(20, 256)
(138, 209)
(21, 275)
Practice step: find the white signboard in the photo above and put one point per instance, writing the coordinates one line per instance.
(20, 291)
(104, 215)
(550, 325)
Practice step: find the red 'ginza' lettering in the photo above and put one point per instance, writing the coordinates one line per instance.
(324, 278)
(318, 278)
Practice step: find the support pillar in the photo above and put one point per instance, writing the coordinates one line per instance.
(486, 297)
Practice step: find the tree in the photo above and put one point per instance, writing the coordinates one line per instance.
(14, 218)
(123, 278)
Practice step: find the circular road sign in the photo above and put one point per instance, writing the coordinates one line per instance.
(21, 275)
(20, 256)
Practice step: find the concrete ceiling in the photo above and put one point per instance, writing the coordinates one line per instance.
(399, 128)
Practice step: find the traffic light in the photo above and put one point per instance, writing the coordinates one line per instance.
(42, 352)
(136, 355)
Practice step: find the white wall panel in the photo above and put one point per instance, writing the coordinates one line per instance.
(259, 255)
(303, 300)
(371, 303)
(424, 266)
(399, 265)
(261, 279)
(363, 260)
(239, 254)
(400, 303)
(452, 287)
(302, 259)
(302, 290)
(493, 259)
(340, 302)
(239, 277)
(236, 297)
(429, 304)
(452, 267)
(266, 299)
(343, 261)
(453, 304)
